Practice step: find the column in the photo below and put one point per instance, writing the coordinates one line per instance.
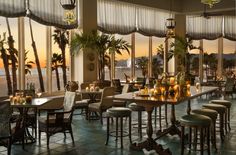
(201, 61)
(85, 62)
(132, 55)
(49, 56)
(21, 53)
(220, 57)
(150, 58)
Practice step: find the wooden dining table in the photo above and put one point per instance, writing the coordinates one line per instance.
(91, 94)
(155, 101)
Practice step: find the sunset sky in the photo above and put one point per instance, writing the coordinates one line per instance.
(141, 41)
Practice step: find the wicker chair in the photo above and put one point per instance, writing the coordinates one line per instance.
(104, 104)
(56, 122)
(116, 83)
(229, 86)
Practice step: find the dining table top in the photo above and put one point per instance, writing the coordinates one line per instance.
(36, 102)
(163, 99)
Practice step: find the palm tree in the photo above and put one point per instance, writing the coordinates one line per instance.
(5, 59)
(36, 58)
(61, 37)
(56, 62)
(101, 43)
(13, 56)
(142, 63)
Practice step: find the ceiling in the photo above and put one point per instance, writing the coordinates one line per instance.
(225, 7)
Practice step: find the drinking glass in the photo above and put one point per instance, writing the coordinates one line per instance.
(38, 93)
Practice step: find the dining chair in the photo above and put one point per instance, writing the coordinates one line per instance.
(117, 103)
(116, 83)
(59, 121)
(5, 126)
(229, 86)
(104, 104)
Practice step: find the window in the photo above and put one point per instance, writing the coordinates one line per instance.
(123, 62)
(60, 77)
(6, 84)
(194, 58)
(141, 55)
(158, 48)
(32, 69)
(229, 58)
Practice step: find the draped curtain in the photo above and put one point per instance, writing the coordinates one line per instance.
(12, 8)
(151, 22)
(47, 12)
(204, 28)
(116, 17)
(230, 27)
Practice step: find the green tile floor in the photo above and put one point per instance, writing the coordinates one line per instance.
(90, 138)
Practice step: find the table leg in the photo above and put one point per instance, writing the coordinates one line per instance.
(173, 129)
(150, 143)
(189, 107)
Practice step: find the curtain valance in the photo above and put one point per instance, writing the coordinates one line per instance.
(230, 27)
(116, 17)
(151, 22)
(47, 12)
(12, 8)
(204, 28)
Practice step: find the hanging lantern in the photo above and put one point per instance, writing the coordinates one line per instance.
(210, 2)
(69, 10)
(170, 25)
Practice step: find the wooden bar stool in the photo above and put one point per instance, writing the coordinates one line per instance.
(227, 116)
(213, 115)
(198, 123)
(139, 109)
(221, 110)
(118, 113)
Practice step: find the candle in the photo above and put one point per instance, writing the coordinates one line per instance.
(172, 80)
(87, 89)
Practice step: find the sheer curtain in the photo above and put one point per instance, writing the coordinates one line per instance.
(230, 27)
(49, 12)
(116, 17)
(204, 28)
(151, 22)
(12, 8)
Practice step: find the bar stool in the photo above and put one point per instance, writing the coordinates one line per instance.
(213, 115)
(139, 109)
(221, 110)
(227, 116)
(118, 113)
(195, 122)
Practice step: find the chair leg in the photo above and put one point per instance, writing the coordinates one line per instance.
(208, 141)
(140, 123)
(226, 121)
(39, 137)
(130, 139)
(121, 131)
(222, 127)
(47, 140)
(182, 140)
(101, 119)
(9, 146)
(108, 130)
(71, 134)
(116, 128)
(229, 119)
(201, 141)
(166, 114)
(160, 118)
(190, 138)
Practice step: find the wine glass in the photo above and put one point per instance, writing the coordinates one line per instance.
(38, 93)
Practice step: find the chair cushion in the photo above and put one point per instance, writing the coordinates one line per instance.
(96, 105)
(119, 112)
(195, 120)
(222, 102)
(219, 108)
(206, 112)
(135, 107)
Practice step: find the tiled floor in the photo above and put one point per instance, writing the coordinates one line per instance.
(90, 138)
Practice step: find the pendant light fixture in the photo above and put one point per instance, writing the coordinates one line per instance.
(170, 24)
(69, 7)
(210, 2)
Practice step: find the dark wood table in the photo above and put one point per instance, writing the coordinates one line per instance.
(150, 102)
(24, 108)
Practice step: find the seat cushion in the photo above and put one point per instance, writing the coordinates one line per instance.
(119, 112)
(96, 105)
(195, 120)
(52, 118)
(219, 108)
(136, 107)
(222, 102)
(206, 112)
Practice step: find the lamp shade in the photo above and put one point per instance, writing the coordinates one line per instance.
(170, 23)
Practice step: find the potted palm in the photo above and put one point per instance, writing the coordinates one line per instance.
(101, 43)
